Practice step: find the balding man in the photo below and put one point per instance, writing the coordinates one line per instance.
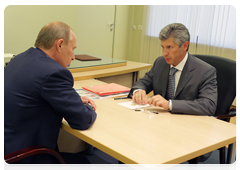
(38, 94)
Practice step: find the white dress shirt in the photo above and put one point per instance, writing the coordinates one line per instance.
(180, 67)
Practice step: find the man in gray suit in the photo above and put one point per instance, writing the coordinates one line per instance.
(193, 83)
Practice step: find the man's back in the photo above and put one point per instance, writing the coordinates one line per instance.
(38, 93)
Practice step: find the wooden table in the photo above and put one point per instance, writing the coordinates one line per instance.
(146, 138)
(123, 73)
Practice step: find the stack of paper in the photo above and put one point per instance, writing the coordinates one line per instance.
(107, 89)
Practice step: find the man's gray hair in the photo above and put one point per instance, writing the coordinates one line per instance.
(176, 30)
(52, 32)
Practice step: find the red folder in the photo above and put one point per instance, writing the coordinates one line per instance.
(107, 89)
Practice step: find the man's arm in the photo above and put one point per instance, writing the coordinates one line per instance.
(59, 93)
(145, 83)
(206, 102)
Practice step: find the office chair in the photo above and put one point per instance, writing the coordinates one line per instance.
(30, 151)
(226, 82)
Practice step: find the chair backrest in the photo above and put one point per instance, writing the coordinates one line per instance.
(226, 81)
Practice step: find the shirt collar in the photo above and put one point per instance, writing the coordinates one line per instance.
(181, 64)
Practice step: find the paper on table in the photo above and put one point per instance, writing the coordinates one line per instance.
(94, 96)
(107, 89)
(132, 105)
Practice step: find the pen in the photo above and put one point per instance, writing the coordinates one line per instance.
(118, 98)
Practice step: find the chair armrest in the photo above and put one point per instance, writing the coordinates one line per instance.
(30, 151)
(231, 113)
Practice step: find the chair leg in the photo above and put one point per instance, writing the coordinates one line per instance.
(222, 155)
(193, 163)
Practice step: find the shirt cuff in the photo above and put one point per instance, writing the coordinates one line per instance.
(170, 105)
(136, 91)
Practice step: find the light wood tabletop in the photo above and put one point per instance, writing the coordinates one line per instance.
(106, 71)
(147, 138)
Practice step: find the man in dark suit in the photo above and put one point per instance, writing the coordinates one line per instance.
(38, 94)
(194, 90)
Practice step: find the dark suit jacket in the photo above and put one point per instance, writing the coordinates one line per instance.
(38, 94)
(197, 88)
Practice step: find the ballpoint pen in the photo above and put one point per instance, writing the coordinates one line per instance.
(148, 110)
(118, 98)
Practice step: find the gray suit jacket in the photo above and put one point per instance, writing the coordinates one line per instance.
(197, 88)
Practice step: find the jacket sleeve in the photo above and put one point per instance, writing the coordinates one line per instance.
(58, 91)
(145, 83)
(206, 101)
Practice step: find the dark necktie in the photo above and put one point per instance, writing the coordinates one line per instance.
(171, 83)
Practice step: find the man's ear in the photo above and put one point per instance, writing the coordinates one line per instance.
(185, 45)
(59, 44)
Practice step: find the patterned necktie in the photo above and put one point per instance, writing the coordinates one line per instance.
(171, 83)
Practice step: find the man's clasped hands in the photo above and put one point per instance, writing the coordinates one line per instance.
(140, 97)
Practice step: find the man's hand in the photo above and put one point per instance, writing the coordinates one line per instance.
(158, 100)
(140, 97)
(87, 100)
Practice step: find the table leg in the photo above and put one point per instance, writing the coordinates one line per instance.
(89, 149)
(135, 77)
(231, 155)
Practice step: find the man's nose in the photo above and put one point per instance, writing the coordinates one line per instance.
(165, 52)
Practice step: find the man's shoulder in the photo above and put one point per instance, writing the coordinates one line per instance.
(199, 62)
(46, 63)
(37, 60)
(200, 66)
(160, 58)
(160, 61)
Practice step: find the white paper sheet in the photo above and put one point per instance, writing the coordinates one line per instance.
(132, 105)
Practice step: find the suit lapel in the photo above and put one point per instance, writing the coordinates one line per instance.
(186, 75)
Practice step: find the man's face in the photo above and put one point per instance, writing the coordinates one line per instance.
(172, 53)
(67, 52)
